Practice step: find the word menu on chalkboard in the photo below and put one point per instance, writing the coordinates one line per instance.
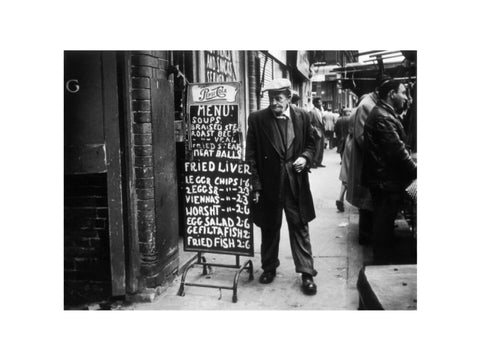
(217, 180)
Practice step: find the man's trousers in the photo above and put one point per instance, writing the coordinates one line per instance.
(319, 150)
(299, 237)
(385, 208)
(365, 224)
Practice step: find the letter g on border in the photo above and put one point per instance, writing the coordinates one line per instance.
(72, 86)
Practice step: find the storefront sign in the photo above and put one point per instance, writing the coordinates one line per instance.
(217, 180)
(303, 63)
(205, 93)
(220, 66)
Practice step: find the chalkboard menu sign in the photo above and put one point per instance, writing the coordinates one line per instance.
(217, 180)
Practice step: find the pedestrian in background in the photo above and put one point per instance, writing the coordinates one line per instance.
(295, 99)
(318, 125)
(388, 167)
(357, 194)
(336, 116)
(329, 127)
(280, 148)
(341, 130)
(345, 160)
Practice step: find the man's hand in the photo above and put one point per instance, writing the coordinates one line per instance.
(299, 164)
(256, 197)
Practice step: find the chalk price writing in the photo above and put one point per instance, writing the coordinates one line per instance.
(243, 199)
(216, 146)
(224, 243)
(245, 210)
(202, 189)
(202, 199)
(226, 154)
(217, 230)
(217, 184)
(220, 166)
(210, 210)
(244, 188)
(243, 244)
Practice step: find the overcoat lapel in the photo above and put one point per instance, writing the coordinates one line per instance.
(273, 134)
(297, 128)
(318, 118)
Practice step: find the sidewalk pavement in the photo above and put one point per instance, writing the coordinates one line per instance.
(337, 255)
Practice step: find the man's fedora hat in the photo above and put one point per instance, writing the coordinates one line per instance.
(278, 85)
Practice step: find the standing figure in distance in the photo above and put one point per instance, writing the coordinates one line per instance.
(295, 99)
(329, 127)
(343, 132)
(280, 147)
(318, 124)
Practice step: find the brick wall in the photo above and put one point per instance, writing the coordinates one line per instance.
(147, 66)
(86, 240)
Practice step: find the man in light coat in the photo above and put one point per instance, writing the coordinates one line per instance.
(329, 117)
(357, 194)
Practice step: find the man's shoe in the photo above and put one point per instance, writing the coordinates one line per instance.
(308, 286)
(267, 277)
(321, 165)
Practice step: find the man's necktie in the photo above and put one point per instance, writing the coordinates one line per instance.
(283, 125)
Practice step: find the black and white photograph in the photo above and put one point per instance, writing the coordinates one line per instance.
(173, 189)
(226, 180)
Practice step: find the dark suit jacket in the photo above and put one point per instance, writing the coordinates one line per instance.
(387, 163)
(269, 164)
(317, 123)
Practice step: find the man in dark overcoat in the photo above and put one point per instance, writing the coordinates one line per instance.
(388, 167)
(280, 148)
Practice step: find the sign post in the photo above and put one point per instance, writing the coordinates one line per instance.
(217, 180)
